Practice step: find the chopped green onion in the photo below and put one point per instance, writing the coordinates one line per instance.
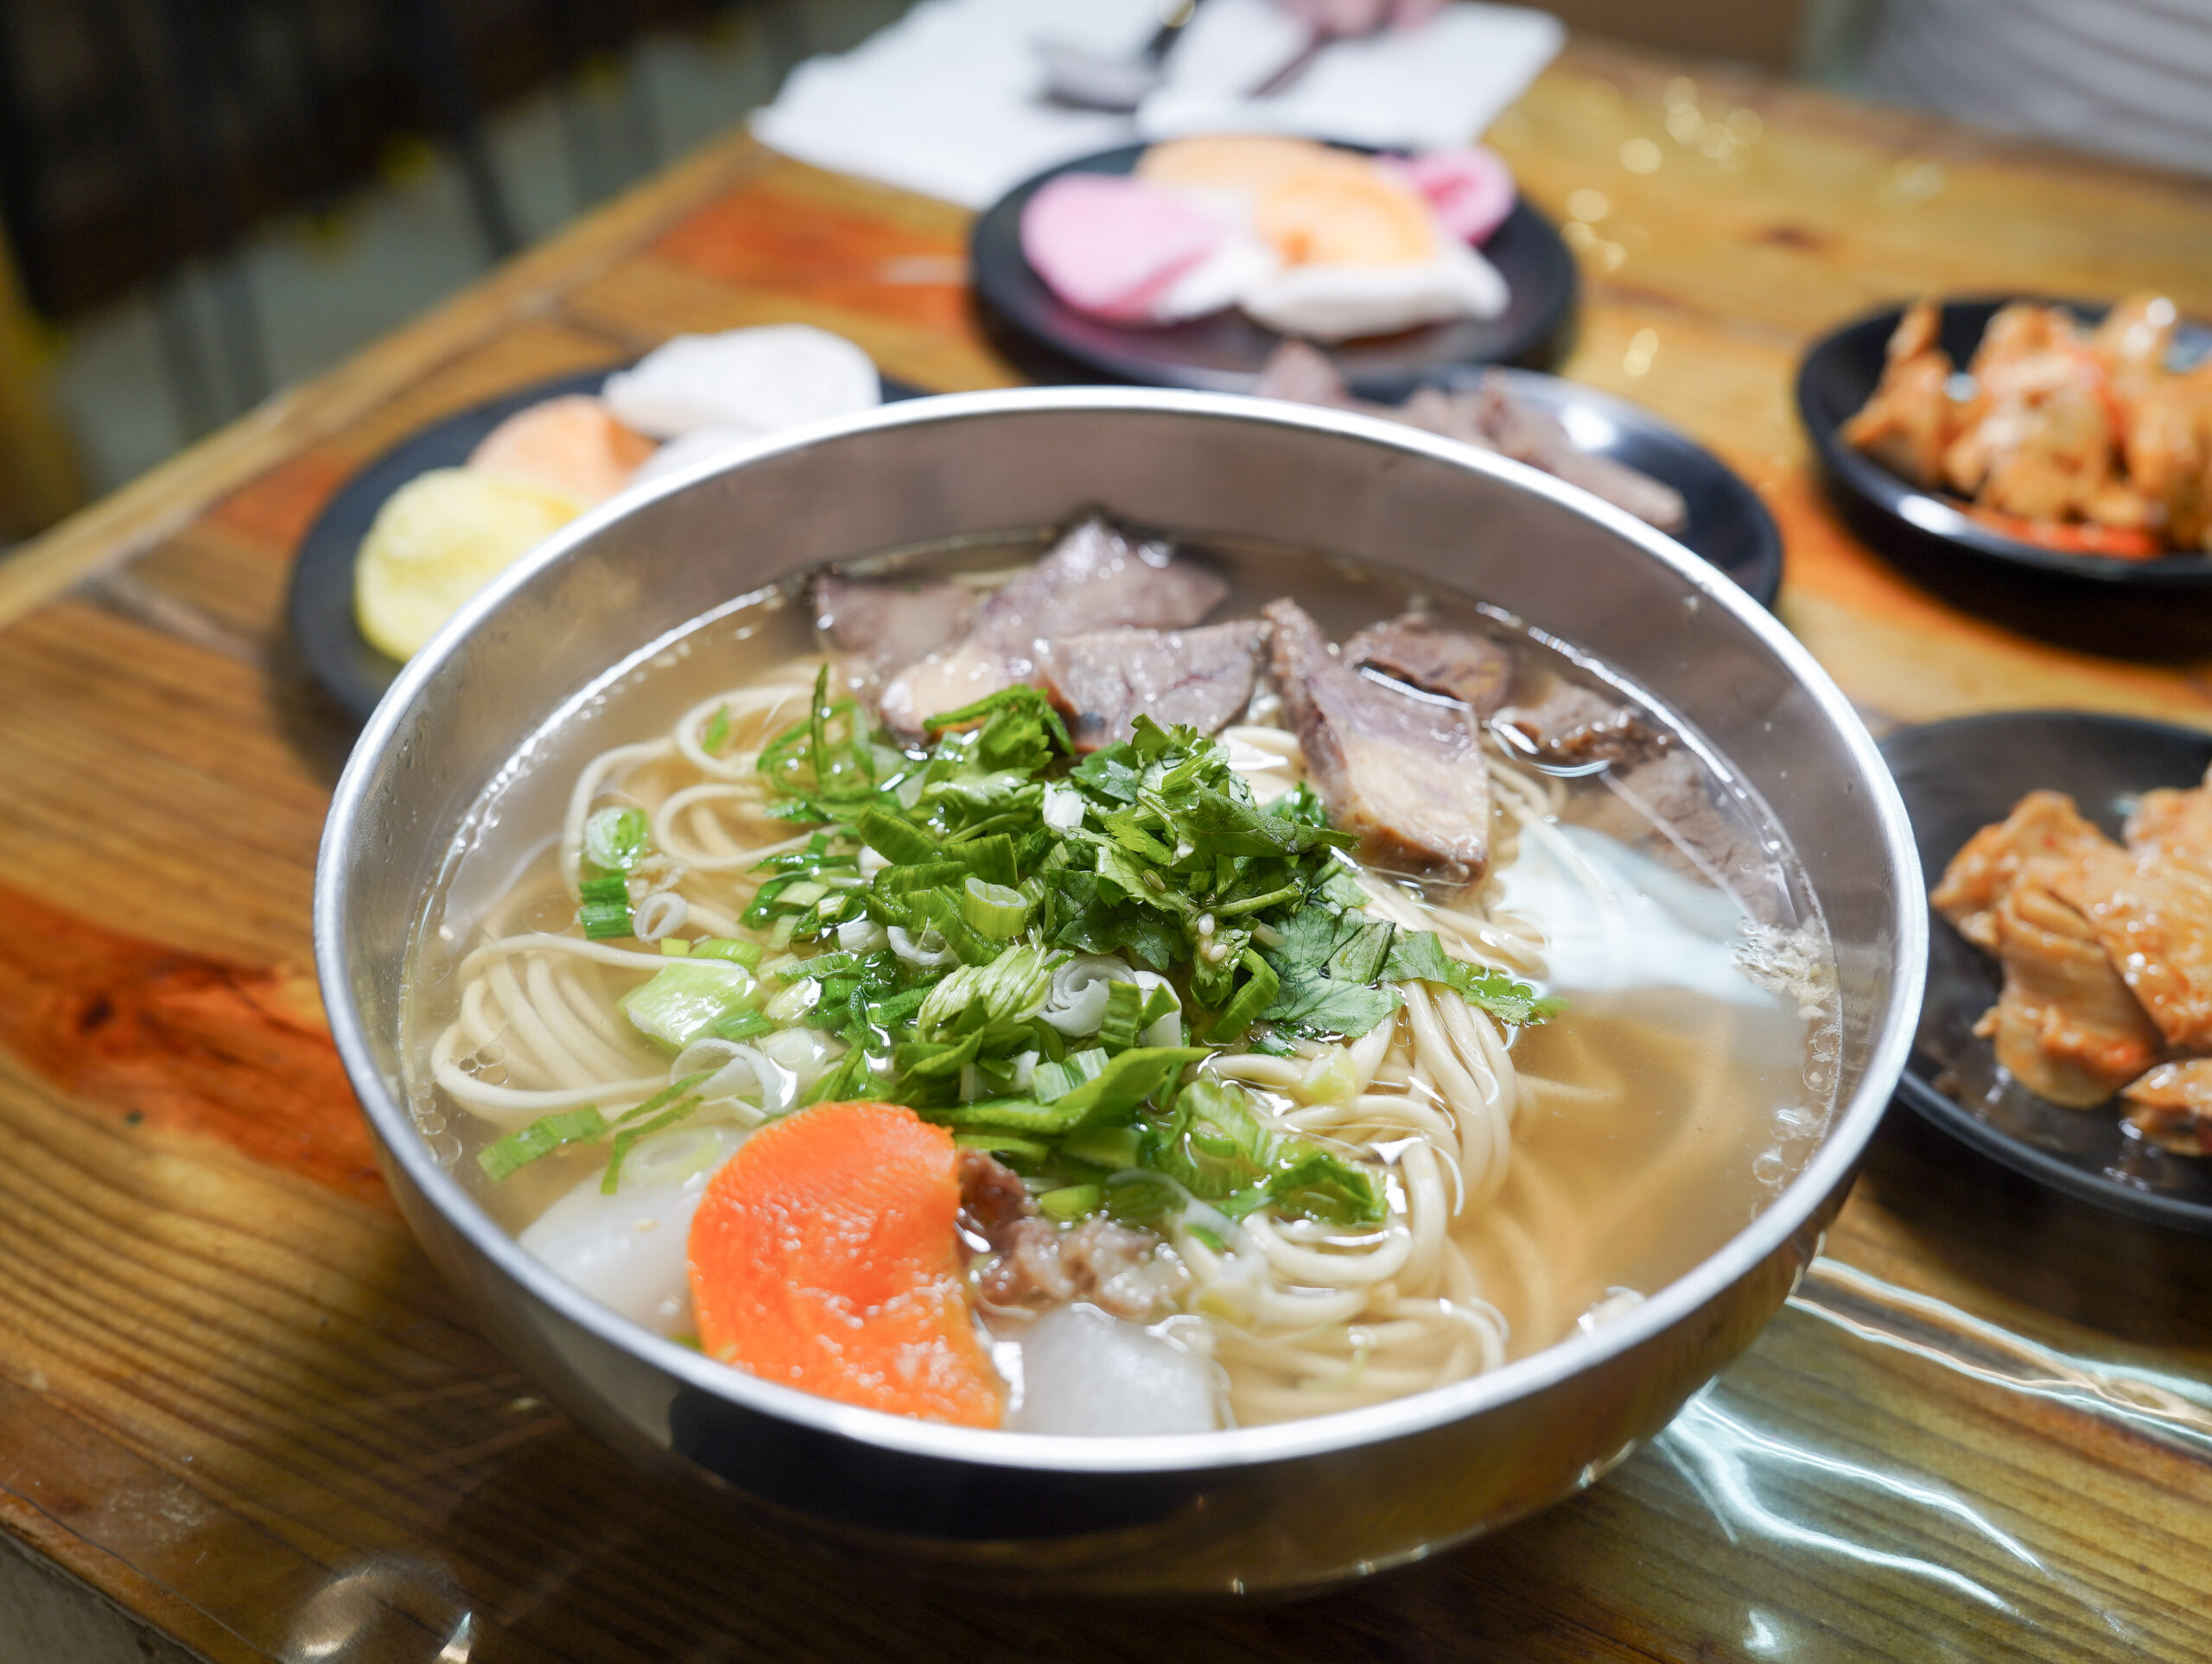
(612, 1179)
(606, 907)
(1071, 1202)
(898, 840)
(747, 954)
(1118, 1029)
(685, 999)
(716, 734)
(1258, 994)
(541, 1138)
(741, 1025)
(1112, 1147)
(1021, 1150)
(614, 839)
(667, 1095)
(993, 909)
(675, 946)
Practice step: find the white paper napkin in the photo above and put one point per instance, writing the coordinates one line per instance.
(951, 100)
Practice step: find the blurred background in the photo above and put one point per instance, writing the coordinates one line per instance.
(205, 201)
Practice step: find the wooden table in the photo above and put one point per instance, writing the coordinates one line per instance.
(240, 1417)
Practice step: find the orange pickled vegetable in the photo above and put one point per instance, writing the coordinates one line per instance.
(1251, 163)
(825, 1255)
(2073, 537)
(1355, 216)
(572, 443)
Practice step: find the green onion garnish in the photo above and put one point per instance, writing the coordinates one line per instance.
(541, 1138)
(993, 909)
(606, 906)
(747, 954)
(614, 839)
(1071, 1202)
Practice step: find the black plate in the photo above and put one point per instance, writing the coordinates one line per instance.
(1224, 353)
(1729, 524)
(1957, 777)
(320, 604)
(2158, 608)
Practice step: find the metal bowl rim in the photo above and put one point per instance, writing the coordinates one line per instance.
(1832, 1163)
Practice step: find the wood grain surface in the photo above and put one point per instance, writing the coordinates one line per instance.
(241, 1419)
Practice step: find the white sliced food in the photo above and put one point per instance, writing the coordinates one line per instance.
(630, 1251)
(1240, 263)
(756, 381)
(1337, 302)
(1084, 1372)
(683, 451)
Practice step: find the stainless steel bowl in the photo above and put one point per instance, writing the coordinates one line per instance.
(1279, 1507)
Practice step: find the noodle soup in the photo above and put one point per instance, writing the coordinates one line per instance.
(1055, 989)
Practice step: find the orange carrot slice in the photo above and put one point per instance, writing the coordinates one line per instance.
(825, 1255)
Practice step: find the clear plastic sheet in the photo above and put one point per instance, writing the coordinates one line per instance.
(1981, 1430)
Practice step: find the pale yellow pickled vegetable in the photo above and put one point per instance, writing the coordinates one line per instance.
(439, 539)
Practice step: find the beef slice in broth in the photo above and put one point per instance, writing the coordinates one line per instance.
(1105, 679)
(1404, 773)
(1095, 577)
(890, 624)
(1572, 726)
(1415, 649)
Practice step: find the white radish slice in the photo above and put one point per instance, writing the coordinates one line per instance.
(1337, 302)
(1084, 1372)
(630, 1251)
(754, 381)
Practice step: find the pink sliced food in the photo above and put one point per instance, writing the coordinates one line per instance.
(1111, 245)
(1471, 191)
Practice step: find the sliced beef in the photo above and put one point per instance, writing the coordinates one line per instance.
(992, 1192)
(1039, 1265)
(1097, 577)
(1572, 726)
(1417, 651)
(891, 625)
(1486, 415)
(1526, 434)
(1104, 679)
(1301, 373)
(1035, 1264)
(1405, 773)
(1453, 413)
(1697, 836)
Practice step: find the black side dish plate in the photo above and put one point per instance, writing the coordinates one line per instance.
(1957, 777)
(2158, 608)
(1729, 524)
(320, 606)
(1224, 352)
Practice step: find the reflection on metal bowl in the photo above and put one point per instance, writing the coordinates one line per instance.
(1292, 1506)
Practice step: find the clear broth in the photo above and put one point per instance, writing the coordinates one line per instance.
(1689, 1079)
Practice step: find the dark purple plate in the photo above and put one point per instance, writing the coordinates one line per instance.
(1957, 777)
(2159, 608)
(320, 605)
(1224, 352)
